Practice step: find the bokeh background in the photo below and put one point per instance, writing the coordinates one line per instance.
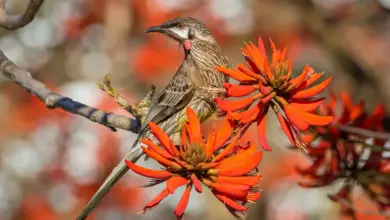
(52, 162)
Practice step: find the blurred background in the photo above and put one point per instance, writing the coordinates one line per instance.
(52, 162)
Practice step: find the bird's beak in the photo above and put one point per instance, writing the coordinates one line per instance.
(158, 29)
(164, 29)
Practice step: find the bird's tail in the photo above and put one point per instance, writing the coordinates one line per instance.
(134, 154)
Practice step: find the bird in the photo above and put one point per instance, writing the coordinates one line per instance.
(195, 84)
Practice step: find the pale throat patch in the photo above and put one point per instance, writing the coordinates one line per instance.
(183, 33)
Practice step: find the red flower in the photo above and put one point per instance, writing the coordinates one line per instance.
(219, 162)
(271, 85)
(338, 154)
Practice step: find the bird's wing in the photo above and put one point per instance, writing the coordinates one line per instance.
(172, 99)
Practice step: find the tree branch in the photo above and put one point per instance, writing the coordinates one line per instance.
(364, 132)
(344, 202)
(138, 110)
(53, 100)
(13, 22)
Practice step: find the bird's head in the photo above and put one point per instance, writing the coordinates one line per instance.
(184, 30)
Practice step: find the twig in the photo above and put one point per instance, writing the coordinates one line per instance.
(109, 89)
(53, 100)
(13, 22)
(138, 110)
(349, 205)
(342, 201)
(364, 132)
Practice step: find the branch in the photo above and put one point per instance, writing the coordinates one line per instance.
(138, 110)
(53, 100)
(13, 22)
(364, 132)
(344, 202)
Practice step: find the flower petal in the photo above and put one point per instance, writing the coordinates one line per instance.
(347, 101)
(235, 74)
(310, 80)
(255, 55)
(276, 57)
(175, 151)
(308, 137)
(210, 144)
(315, 90)
(161, 136)
(234, 105)
(184, 136)
(231, 203)
(267, 70)
(252, 66)
(356, 111)
(312, 119)
(295, 118)
(156, 148)
(175, 182)
(265, 90)
(233, 191)
(299, 79)
(194, 123)
(260, 44)
(242, 155)
(182, 205)
(249, 115)
(196, 182)
(245, 180)
(286, 128)
(268, 98)
(284, 53)
(253, 196)
(157, 200)
(317, 151)
(156, 174)
(248, 72)
(376, 118)
(261, 131)
(332, 99)
(227, 150)
(207, 166)
(273, 46)
(306, 105)
(160, 159)
(239, 90)
(242, 168)
(223, 133)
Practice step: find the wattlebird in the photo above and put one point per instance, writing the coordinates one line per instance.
(195, 85)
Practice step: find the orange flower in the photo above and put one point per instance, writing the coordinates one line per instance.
(337, 154)
(271, 85)
(218, 162)
(351, 114)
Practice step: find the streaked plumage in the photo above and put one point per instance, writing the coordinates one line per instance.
(196, 84)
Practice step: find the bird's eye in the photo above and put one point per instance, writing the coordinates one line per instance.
(180, 25)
